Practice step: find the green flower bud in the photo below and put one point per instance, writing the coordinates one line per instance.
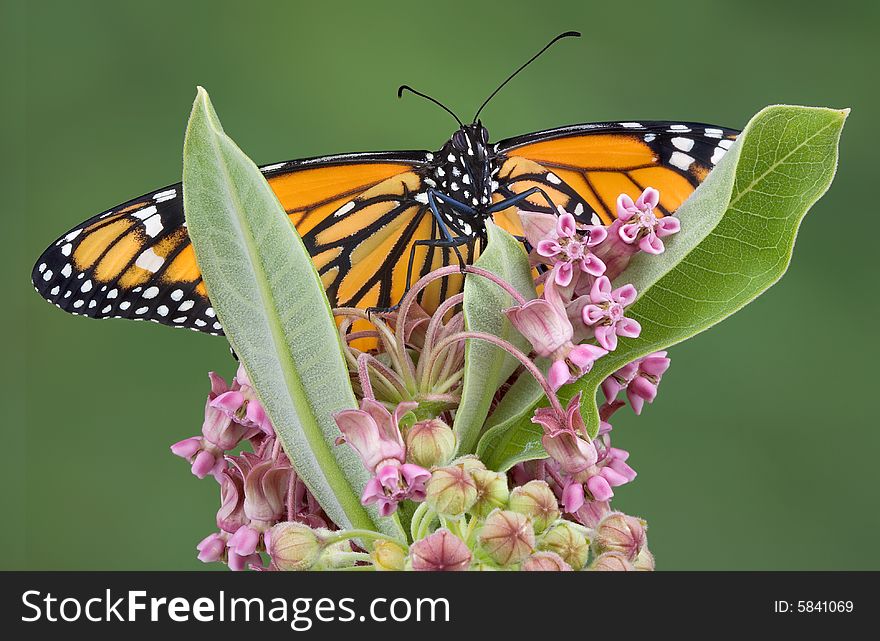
(644, 561)
(469, 462)
(430, 443)
(294, 546)
(492, 492)
(535, 499)
(388, 556)
(545, 562)
(611, 562)
(568, 541)
(507, 537)
(618, 532)
(451, 491)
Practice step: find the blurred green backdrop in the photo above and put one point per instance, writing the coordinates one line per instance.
(761, 449)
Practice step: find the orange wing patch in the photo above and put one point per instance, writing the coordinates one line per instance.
(136, 261)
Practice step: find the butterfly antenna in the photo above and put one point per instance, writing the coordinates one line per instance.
(567, 34)
(403, 88)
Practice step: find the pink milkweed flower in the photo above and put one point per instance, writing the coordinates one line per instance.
(212, 548)
(640, 379)
(374, 433)
(394, 483)
(605, 313)
(564, 437)
(240, 404)
(546, 325)
(221, 431)
(639, 224)
(265, 485)
(564, 243)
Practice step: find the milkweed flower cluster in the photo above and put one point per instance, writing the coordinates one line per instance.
(407, 370)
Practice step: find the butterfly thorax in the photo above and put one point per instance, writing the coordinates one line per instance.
(462, 170)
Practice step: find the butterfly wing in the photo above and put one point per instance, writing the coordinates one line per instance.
(136, 261)
(584, 168)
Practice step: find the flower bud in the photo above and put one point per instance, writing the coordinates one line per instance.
(492, 492)
(388, 556)
(469, 462)
(611, 562)
(569, 542)
(430, 443)
(618, 532)
(536, 500)
(441, 551)
(545, 562)
(507, 537)
(644, 561)
(294, 546)
(451, 491)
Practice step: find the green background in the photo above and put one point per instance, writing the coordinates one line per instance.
(761, 449)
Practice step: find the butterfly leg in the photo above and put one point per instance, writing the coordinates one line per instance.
(513, 200)
(433, 197)
(447, 242)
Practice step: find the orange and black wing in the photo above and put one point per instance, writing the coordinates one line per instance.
(358, 214)
(584, 168)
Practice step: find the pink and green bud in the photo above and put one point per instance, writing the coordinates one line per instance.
(537, 501)
(441, 551)
(470, 462)
(568, 541)
(611, 562)
(492, 492)
(451, 490)
(644, 561)
(430, 443)
(618, 532)
(545, 562)
(507, 537)
(294, 546)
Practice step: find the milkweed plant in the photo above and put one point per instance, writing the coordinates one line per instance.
(478, 436)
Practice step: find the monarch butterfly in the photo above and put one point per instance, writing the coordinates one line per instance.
(374, 221)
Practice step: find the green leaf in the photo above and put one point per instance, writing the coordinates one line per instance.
(274, 312)
(738, 233)
(486, 366)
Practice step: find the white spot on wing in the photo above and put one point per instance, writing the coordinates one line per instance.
(632, 125)
(347, 207)
(685, 144)
(553, 178)
(151, 292)
(681, 160)
(146, 212)
(149, 260)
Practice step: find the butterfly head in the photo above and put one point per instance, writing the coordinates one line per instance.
(464, 167)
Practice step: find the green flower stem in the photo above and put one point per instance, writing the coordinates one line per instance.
(368, 535)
